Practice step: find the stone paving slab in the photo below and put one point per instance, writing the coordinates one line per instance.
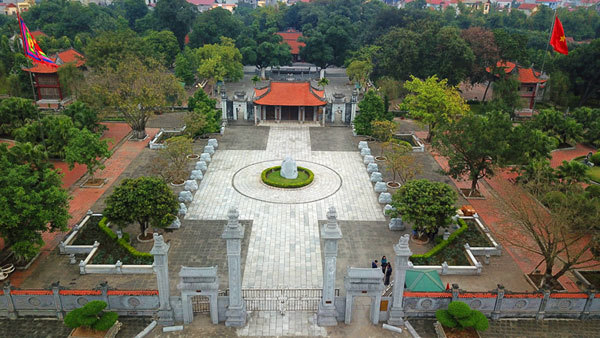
(332, 139)
(244, 138)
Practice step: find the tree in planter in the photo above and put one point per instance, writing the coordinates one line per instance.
(146, 200)
(91, 316)
(32, 200)
(371, 109)
(88, 149)
(474, 145)
(460, 315)
(433, 102)
(564, 239)
(135, 90)
(383, 131)
(400, 161)
(172, 161)
(428, 205)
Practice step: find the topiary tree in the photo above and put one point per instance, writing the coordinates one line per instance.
(92, 316)
(383, 131)
(146, 200)
(428, 205)
(460, 315)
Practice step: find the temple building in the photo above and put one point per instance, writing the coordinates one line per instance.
(291, 36)
(288, 101)
(46, 83)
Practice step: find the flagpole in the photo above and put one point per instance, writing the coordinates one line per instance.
(537, 84)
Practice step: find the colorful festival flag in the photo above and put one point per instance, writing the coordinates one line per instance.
(558, 39)
(31, 48)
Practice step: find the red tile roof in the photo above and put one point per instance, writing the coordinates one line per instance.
(290, 94)
(526, 75)
(290, 37)
(201, 2)
(37, 34)
(67, 56)
(527, 7)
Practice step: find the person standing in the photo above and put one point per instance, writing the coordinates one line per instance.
(374, 264)
(383, 264)
(388, 274)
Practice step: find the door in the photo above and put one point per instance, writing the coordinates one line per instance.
(289, 113)
(270, 113)
(309, 113)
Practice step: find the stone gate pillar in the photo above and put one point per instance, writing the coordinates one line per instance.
(403, 253)
(160, 252)
(234, 233)
(326, 315)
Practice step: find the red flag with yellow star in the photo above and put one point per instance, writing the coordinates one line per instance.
(558, 39)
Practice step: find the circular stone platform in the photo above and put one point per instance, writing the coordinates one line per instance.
(247, 182)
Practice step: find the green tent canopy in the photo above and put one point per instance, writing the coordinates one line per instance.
(424, 281)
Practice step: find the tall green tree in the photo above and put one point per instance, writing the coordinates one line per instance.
(177, 16)
(132, 10)
(32, 200)
(163, 46)
(371, 109)
(556, 124)
(15, 112)
(132, 90)
(88, 149)
(474, 145)
(219, 62)
(433, 102)
(211, 25)
(428, 205)
(146, 200)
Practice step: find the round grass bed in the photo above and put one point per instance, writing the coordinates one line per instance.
(272, 176)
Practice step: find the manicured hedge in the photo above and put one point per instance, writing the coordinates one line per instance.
(443, 244)
(124, 241)
(291, 184)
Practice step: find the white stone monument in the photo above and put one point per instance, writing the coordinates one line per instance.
(289, 169)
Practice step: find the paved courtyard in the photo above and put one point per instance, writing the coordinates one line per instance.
(284, 248)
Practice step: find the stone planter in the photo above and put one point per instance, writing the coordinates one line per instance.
(443, 332)
(393, 185)
(175, 184)
(144, 240)
(81, 332)
(193, 156)
(380, 158)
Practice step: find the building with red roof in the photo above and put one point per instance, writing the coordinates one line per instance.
(292, 101)
(45, 77)
(532, 84)
(291, 36)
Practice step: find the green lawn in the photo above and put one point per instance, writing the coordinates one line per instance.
(594, 173)
(276, 177)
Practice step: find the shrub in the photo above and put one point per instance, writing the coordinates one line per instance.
(91, 315)
(460, 315)
(124, 241)
(593, 191)
(441, 246)
(595, 159)
(292, 183)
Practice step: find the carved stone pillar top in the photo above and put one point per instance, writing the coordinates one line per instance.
(233, 230)
(401, 248)
(160, 246)
(331, 230)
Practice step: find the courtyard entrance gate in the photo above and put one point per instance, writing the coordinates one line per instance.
(282, 300)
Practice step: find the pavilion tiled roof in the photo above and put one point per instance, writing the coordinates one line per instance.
(525, 75)
(290, 94)
(67, 56)
(290, 37)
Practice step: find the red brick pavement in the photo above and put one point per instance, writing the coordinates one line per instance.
(490, 210)
(83, 199)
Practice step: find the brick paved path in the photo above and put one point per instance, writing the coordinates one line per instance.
(490, 210)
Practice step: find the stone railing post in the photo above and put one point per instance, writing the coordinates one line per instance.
(160, 252)
(331, 234)
(57, 301)
(233, 234)
(12, 311)
(498, 305)
(403, 253)
(455, 292)
(542, 310)
(104, 290)
(585, 314)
